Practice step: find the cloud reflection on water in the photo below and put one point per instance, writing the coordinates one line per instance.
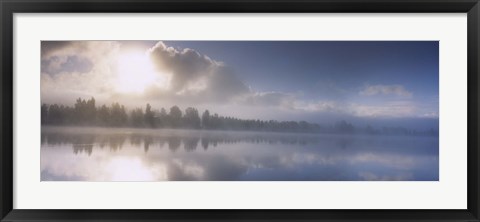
(94, 154)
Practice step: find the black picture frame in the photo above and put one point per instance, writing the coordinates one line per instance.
(9, 7)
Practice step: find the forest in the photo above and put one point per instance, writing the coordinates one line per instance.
(86, 113)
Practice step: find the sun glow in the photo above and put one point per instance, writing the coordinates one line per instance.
(129, 169)
(136, 72)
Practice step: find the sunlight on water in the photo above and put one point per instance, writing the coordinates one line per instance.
(99, 154)
(124, 169)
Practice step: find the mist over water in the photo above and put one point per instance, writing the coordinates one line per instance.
(126, 154)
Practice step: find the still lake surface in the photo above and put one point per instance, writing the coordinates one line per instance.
(107, 154)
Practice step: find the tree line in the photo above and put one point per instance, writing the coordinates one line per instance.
(86, 113)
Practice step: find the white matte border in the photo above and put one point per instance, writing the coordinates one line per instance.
(448, 193)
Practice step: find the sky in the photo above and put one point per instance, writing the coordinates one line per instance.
(384, 82)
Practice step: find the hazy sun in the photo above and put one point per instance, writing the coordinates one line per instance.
(136, 72)
(129, 169)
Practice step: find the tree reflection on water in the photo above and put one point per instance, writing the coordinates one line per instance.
(174, 139)
(102, 154)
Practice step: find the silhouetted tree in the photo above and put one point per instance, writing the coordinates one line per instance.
(118, 115)
(104, 116)
(44, 114)
(137, 117)
(175, 116)
(149, 116)
(206, 119)
(191, 118)
(162, 118)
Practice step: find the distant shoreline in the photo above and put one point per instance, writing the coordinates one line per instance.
(86, 113)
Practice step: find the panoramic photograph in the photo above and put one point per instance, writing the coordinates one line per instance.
(239, 111)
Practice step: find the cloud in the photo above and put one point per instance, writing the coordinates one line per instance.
(195, 76)
(430, 115)
(390, 109)
(72, 69)
(320, 106)
(369, 176)
(91, 50)
(186, 66)
(77, 68)
(51, 47)
(397, 90)
(269, 99)
(386, 109)
(89, 68)
(73, 63)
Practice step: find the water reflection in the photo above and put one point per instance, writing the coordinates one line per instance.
(174, 138)
(85, 143)
(95, 154)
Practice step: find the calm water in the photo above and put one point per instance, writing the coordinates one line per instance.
(99, 154)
